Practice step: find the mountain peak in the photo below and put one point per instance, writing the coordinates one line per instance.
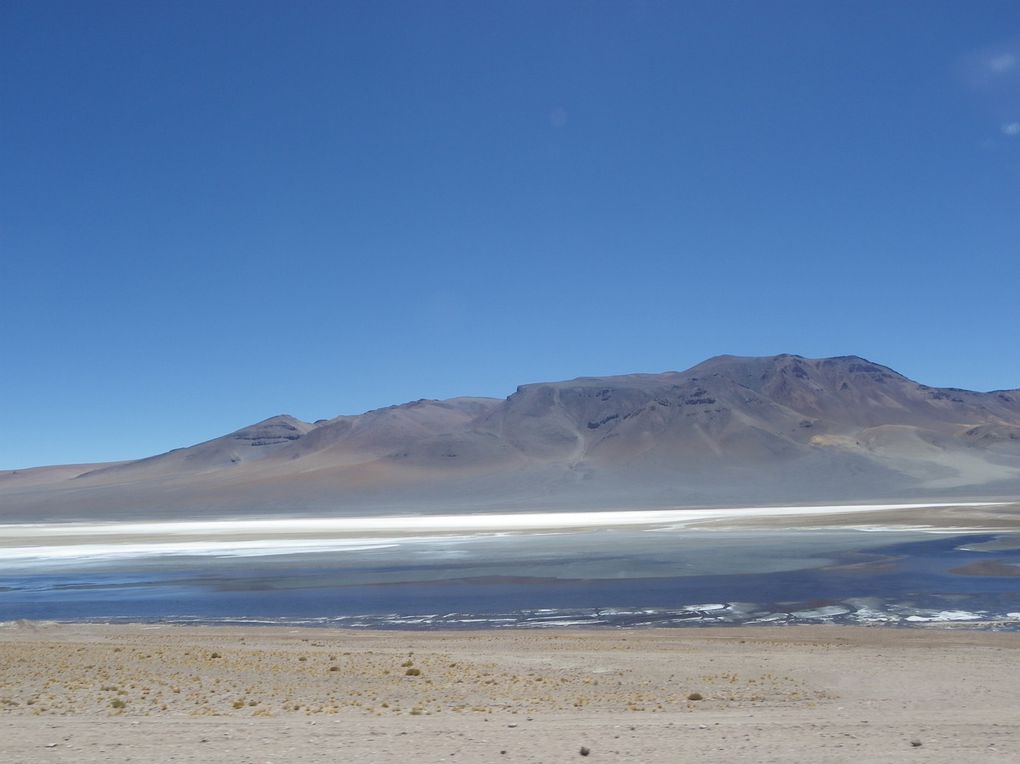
(273, 431)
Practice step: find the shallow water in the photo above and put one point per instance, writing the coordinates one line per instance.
(607, 576)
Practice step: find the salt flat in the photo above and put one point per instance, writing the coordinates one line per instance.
(266, 536)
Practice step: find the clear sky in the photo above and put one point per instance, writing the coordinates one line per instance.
(213, 212)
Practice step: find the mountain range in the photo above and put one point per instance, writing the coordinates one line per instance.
(729, 430)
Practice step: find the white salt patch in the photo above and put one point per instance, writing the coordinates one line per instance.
(868, 615)
(447, 523)
(945, 615)
(485, 620)
(770, 618)
(711, 606)
(823, 612)
(101, 552)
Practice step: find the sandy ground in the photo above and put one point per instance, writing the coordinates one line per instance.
(785, 694)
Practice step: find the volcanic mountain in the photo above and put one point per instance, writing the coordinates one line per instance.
(732, 429)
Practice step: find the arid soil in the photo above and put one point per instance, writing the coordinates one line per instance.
(93, 693)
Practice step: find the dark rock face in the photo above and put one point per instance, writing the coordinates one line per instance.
(732, 429)
(273, 432)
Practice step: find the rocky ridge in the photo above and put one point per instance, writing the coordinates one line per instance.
(731, 429)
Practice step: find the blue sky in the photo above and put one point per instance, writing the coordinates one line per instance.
(212, 212)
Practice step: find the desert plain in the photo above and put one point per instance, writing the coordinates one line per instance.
(171, 693)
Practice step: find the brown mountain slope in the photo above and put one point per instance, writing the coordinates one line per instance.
(780, 428)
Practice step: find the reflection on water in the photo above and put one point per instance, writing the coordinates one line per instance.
(614, 577)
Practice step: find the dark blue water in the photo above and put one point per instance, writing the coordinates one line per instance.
(898, 583)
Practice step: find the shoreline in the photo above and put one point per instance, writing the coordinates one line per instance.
(411, 625)
(10, 631)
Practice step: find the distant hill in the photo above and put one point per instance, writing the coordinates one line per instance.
(732, 429)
